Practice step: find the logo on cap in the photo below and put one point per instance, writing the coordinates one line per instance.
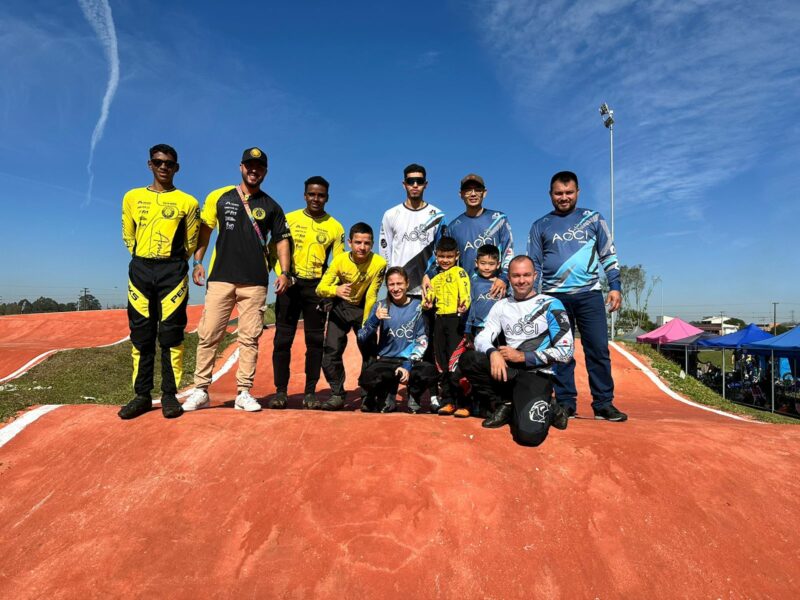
(255, 153)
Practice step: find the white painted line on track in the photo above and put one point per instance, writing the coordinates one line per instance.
(125, 339)
(8, 432)
(663, 387)
(227, 366)
(28, 366)
(35, 361)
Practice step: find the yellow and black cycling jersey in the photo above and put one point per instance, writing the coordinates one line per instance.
(314, 239)
(365, 279)
(160, 224)
(450, 289)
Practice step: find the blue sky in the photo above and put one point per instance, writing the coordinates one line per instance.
(705, 95)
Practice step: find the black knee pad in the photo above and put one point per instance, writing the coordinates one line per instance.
(530, 423)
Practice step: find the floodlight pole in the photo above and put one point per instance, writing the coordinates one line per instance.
(607, 114)
(661, 285)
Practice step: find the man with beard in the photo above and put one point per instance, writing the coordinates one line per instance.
(410, 230)
(569, 246)
(238, 274)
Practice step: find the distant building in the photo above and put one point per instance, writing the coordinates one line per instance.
(663, 320)
(718, 325)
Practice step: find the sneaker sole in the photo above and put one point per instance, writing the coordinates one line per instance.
(237, 407)
(616, 420)
(191, 408)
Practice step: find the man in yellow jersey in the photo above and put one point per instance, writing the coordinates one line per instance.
(159, 227)
(354, 279)
(237, 275)
(316, 236)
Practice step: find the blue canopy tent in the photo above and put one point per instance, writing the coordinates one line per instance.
(786, 345)
(736, 340)
(749, 335)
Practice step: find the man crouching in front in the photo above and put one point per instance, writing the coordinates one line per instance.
(515, 377)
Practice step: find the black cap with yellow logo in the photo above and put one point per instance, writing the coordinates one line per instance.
(254, 154)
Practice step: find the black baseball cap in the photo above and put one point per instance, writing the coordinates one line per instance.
(255, 154)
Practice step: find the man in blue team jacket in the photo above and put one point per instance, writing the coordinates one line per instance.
(568, 246)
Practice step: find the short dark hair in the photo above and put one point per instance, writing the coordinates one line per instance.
(317, 180)
(520, 258)
(564, 177)
(164, 149)
(447, 244)
(361, 227)
(397, 271)
(415, 168)
(489, 250)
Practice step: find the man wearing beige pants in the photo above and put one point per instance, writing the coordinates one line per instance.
(237, 275)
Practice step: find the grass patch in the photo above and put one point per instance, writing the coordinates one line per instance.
(692, 389)
(88, 376)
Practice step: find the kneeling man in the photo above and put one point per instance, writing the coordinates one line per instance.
(516, 376)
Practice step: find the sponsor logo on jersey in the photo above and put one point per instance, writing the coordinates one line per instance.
(322, 238)
(419, 233)
(168, 212)
(576, 233)
(259, 213)
(526, 326)
(405, 331)
(479, 241)
(539, 412)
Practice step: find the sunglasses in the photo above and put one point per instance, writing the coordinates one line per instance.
(157, 162)
(415, 181)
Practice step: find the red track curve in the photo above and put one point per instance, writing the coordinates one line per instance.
(677, 502)
(26, 338)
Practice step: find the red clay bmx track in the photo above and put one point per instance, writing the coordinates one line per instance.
(677, 502)
(26, 338)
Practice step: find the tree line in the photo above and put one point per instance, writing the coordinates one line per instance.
(46, 305)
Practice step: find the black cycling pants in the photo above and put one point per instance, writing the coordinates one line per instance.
(158, 293)
(300, 299)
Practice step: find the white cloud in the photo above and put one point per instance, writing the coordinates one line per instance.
(701, 89)
(98, 13)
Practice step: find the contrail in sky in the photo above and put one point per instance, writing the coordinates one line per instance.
(98, 13)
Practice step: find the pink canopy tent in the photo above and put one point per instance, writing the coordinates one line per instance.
(676, 329)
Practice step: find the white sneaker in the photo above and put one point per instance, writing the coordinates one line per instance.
(244, 401)
(197, 399)
(435, 406)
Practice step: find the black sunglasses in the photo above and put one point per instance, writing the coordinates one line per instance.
(415, 181)
(157, 162)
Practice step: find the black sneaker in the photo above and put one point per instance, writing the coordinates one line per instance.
(389, 404)
(413, 406)
(170, 407)
(311, 402)
(559, 415)
(368, 404)
(610, 413)
(572, 412)
(498, 418)
(136, 407)
(334, 403)
(278, 402)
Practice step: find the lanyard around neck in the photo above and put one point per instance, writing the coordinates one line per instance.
(245, 201)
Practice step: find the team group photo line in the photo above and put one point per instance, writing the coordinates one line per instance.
(468, 327)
